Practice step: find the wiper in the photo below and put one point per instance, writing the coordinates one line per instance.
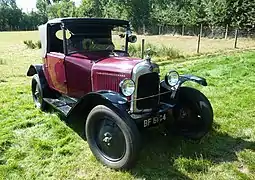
(86, 51)
(74, 52)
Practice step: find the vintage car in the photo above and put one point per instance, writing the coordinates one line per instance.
(93, 81)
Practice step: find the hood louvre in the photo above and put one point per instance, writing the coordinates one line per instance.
(108, 81)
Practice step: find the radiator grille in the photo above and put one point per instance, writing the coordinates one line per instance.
(148, 85)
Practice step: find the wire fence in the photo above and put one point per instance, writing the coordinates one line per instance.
(199, 38)
(205, 31)
(217, 32)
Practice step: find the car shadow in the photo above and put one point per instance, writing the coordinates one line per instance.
(75, 123)
(161, 155)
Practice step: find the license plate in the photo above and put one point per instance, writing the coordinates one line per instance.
(154, 120)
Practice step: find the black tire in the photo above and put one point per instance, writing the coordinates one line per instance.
(38, 93)
(193, 114)
(113, 140)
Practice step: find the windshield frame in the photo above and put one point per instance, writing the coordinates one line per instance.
(127, 33)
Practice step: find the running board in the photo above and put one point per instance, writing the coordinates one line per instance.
(60, 105)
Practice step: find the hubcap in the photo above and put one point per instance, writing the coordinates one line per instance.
(110, 140)
(183, 113)
(107, 138)
(188, 119)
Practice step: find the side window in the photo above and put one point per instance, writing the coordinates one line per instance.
(55, 44)
(59, 34)
(118, 38)
(56, 40)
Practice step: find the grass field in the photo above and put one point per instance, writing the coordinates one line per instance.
(187, 45)
(37, 145)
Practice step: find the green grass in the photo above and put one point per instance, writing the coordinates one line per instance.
(37, 145)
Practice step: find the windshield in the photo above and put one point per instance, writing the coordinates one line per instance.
(91, 39)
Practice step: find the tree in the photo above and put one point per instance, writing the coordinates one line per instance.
(138, 12)
(241, 13)
(143, 13)
(114, 9)
(10, 15)
(215, 11)
(58, 9)
(91, 8)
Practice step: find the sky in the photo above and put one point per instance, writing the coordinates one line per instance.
(28, 5)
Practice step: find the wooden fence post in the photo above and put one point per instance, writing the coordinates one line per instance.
(199, 38)
(201, 30)
(142, 48)
(144, 30)
(226, 32)
(198, 43)
(236, 37)
(212, 31)
(183, 29)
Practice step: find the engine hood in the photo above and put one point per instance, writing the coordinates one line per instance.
(122, 65)
(109, 72)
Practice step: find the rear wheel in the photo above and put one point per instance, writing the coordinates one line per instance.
(113, 141)
(37, 93)
(193, 115)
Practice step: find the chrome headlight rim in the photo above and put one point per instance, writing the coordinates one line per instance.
(172, 78)
(125, 90)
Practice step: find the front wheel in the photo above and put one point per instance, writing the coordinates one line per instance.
(193, 114)
(113, 141)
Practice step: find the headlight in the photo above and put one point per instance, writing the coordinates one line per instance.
(172, 78)
(127, 87)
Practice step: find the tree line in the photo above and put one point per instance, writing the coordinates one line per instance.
(141, 13)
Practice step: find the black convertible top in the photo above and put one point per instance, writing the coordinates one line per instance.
(101, 21)
(77, 25)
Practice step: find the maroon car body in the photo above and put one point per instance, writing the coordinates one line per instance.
(82, 73)
(96, 85)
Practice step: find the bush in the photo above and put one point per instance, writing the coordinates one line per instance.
(38, 44)
(2, 62)
(170, 52)
(134, 50)
(31, 45)
(156, 51)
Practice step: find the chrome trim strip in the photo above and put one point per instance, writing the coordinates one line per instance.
(151, 96)
(140, 69)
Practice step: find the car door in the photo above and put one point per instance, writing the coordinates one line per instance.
(78, 72)
(55, 70)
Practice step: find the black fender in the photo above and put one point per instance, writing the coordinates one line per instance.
(113, 100)
(197, 79)
(168, 97)
(183, 78)
(38, 69)
(35, 69)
